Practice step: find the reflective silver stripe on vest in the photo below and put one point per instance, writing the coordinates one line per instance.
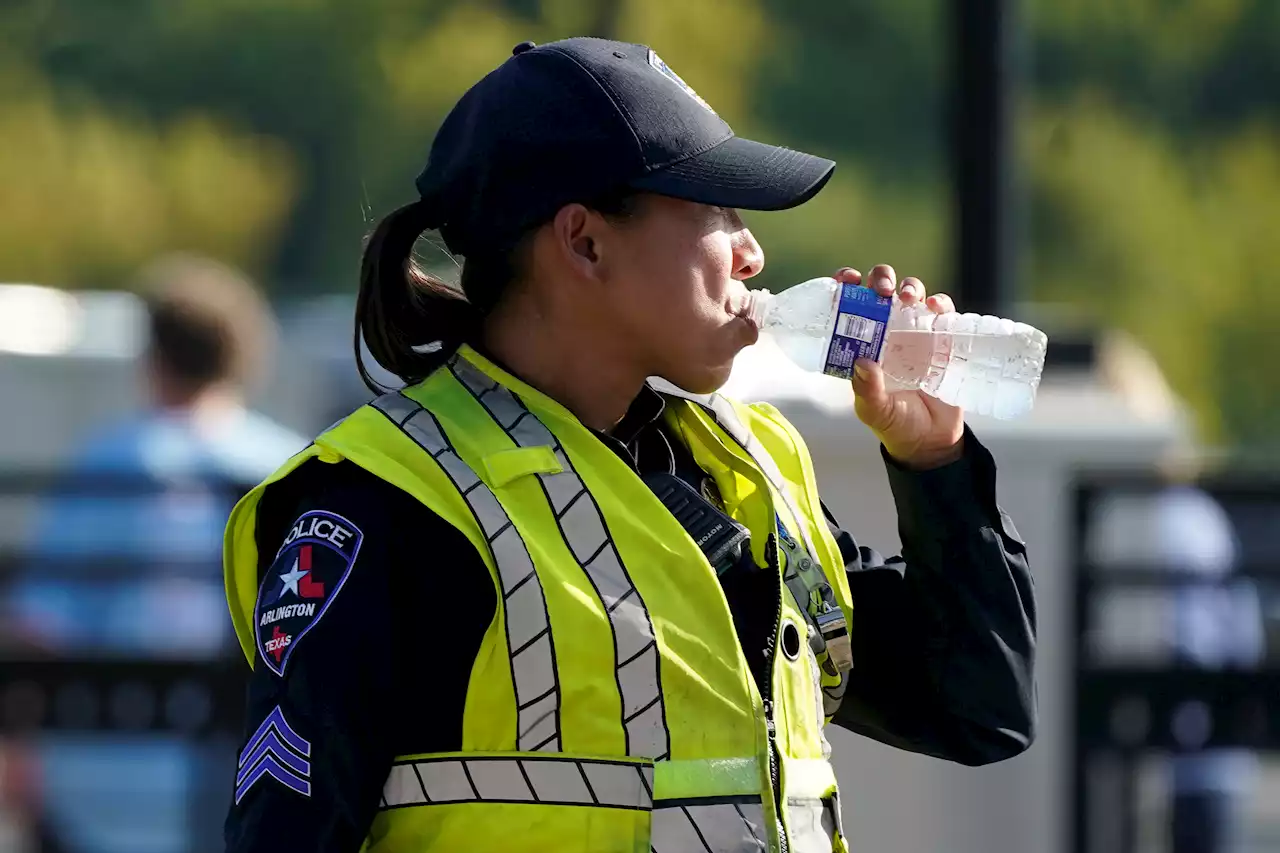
(733, 827)
(533, 654)
(812, 825)
(725, 825)
(583, 527)
(549, 781)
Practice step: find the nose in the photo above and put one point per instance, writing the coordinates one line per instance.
(748, 257)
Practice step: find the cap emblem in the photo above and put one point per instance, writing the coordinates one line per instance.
(665, 70)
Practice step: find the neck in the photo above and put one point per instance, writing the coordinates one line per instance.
(570, 362)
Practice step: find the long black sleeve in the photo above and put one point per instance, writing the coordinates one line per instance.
(944, 636)
(379, 668)
(943, 642)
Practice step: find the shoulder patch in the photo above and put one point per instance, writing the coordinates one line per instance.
(303, 580)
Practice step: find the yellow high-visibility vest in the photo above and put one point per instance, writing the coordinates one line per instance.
(610, 707)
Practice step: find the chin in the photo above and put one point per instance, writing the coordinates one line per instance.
(704, 380)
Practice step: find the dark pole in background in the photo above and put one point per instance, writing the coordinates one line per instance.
(982, 53)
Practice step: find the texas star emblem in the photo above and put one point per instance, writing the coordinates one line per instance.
(305, 577)
(299, 580)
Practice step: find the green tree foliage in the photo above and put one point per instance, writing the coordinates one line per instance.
(88, 194)
(1176, 243)
(1151, 151)
(272, 132)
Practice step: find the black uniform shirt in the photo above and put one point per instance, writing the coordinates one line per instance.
(943, 637)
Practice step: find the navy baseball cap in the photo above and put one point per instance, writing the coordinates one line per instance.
(574, 120)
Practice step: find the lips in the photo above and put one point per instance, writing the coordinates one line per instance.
(750, 332)
(742, 311)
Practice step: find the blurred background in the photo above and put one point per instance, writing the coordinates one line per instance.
(184, 189)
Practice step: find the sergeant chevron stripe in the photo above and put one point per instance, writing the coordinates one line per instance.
(275, 750)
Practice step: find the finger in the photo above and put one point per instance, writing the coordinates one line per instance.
(868, 387)
(912, 291)
(882, 279)
(848, 275)
(940, 303)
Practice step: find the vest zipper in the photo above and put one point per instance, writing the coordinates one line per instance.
(766, 689)
(776, 782)
(771, 726)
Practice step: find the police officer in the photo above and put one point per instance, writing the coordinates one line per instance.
(536, 600)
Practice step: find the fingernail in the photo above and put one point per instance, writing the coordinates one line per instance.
(859, 371)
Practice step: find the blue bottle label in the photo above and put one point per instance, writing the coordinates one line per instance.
(861, 321)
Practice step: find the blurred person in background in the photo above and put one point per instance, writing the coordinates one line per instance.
(125, 552)
(542, 600)
(1215, 622)
(157, 487)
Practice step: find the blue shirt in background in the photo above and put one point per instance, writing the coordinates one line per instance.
(161, 597)
(183, 479)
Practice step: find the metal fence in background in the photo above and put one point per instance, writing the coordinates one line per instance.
(80, 691)
(1136, 700)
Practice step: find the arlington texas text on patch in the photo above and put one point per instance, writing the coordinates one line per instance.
(307, 574)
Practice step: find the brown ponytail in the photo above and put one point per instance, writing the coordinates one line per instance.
(401, 307)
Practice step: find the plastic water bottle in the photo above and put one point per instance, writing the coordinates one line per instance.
(983, 364)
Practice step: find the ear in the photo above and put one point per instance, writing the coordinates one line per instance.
(576, 235)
